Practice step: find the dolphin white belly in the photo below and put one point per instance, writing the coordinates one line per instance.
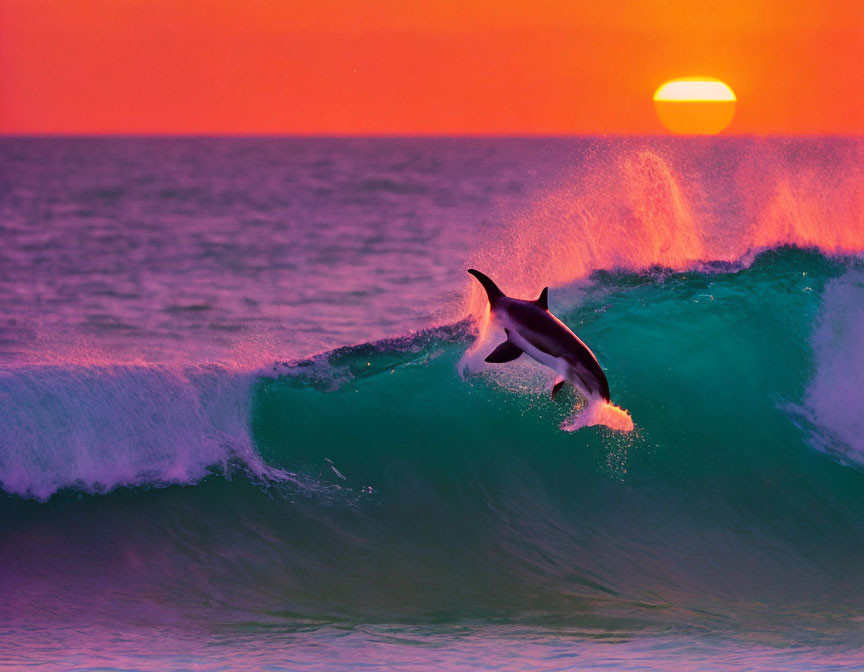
(558, 364)
(529, 349)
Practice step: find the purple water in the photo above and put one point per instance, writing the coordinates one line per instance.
(172, 499)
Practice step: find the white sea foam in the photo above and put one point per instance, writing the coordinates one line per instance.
(101, 427)
(835, 395)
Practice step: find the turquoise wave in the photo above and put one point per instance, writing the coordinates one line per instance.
(373, 483)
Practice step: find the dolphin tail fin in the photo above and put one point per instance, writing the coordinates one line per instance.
(600, 412)
(492, 291)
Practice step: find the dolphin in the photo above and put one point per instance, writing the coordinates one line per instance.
(531, 329)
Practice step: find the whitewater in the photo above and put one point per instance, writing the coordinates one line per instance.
(243, 422)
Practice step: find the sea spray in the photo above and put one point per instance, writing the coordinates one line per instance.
(654, 207)
(599, 413)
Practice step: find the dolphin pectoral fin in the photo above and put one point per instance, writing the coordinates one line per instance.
(506, 352)
(557, 385)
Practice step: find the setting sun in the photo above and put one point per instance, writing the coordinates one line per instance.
(695, 105)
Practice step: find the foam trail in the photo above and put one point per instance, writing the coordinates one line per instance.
(98, 428)
(600, 413)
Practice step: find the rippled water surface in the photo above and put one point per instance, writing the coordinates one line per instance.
(235, 431)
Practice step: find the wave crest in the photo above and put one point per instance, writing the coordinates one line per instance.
(97, 427)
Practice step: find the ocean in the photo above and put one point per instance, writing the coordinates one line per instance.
(242, 428)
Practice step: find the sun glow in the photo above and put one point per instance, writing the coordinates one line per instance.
(695, 105)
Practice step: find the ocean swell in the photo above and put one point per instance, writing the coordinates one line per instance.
(437, 499)
(99, 427)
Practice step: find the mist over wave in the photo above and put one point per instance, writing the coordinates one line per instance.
(657, 207)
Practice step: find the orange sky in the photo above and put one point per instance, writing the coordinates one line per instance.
(421, 66)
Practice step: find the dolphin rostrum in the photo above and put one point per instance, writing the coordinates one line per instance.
(533, 330)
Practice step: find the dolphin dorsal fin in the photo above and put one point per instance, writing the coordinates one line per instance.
(543, 299)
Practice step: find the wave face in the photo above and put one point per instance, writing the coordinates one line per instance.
(382, 487)
(370, 491)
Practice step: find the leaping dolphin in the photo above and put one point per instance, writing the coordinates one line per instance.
(533, 330)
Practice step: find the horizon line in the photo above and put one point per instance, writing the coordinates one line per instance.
(407, 136)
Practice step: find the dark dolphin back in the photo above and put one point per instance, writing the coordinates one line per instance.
(549, 334)
(601, 376)
(582, 354)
